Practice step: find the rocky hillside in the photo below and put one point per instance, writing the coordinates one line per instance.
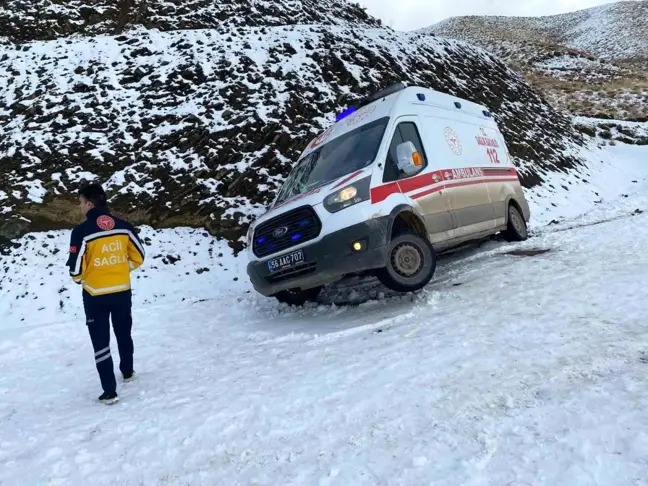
(49, 19)
(592, 62)
(199, 127)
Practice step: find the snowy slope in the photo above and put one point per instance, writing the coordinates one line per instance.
(615, 31)
(505, 370)
(589, 62)
(198, 128)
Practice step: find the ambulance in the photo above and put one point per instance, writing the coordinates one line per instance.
(404, 175)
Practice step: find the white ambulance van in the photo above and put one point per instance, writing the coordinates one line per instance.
(408, 173)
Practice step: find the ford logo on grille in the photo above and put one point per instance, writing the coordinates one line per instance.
(280, 231)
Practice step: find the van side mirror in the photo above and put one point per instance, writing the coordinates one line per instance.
(409, 160)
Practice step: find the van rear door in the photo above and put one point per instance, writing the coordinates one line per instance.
(499, 171)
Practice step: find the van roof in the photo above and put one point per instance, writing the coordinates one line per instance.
(442, 100)
(418, 95)
(390, 102)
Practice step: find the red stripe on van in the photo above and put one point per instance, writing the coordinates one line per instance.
(380, 193)
(347, 179)
(428, 192)
(419, 182)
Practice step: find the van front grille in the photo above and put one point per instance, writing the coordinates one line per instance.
(285, 231)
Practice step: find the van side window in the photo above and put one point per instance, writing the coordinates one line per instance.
(405, 132)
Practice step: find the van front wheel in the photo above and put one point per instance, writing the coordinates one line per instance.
(411, 262)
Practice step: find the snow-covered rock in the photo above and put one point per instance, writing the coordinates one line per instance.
(613, 131)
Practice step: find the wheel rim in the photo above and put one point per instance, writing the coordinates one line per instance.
(406, 260)
(516, 221)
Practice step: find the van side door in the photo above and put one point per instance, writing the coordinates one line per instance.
(425, 188)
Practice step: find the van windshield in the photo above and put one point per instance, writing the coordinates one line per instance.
(344, 155)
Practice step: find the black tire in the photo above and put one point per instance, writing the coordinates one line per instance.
(298, 298)
(516, 229)
(411, 263)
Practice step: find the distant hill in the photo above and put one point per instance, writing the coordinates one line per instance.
(592, 62)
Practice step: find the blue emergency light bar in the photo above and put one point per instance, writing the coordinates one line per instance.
(345, 113)
(394, 88)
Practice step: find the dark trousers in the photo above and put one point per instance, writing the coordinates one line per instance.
(99, 311)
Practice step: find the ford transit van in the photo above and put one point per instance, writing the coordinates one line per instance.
(406, 174)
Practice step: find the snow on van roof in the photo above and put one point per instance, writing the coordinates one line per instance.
(386, 106)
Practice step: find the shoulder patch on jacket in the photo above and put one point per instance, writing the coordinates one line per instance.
(106, 223)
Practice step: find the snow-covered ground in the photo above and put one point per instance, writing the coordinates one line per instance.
(609, 175)
(630, 128)
(578, 67)
(506, 370)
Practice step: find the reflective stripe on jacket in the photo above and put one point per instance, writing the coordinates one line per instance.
(103, 251)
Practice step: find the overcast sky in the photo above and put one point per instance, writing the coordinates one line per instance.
(413, 14)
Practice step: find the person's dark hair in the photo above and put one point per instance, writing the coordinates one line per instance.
(95, 194)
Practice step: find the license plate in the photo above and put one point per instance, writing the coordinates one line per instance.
(286, 261)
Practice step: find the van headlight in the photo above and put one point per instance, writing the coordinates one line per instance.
(348, 196)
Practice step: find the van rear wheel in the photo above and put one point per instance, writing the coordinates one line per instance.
(411, 263)
(516, 229)
(298, 298)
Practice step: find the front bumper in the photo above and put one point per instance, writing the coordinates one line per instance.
(327, 260)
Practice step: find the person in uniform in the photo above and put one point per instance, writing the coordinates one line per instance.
(103, 251)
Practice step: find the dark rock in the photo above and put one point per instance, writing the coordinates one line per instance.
(12, 228)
